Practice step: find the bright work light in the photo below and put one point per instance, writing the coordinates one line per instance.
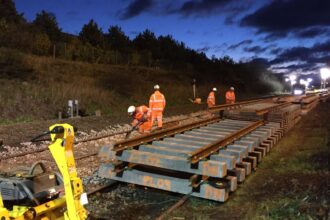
(325, 73)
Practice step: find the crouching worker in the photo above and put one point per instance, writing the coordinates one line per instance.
(141, 118)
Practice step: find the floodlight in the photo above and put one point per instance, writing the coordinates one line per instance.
(325, 73)
(292, 77)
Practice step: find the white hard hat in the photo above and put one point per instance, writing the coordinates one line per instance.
(232, 88)
(156, 86)
(214, 89)
(131, 109)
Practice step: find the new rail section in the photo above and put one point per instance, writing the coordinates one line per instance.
(208, 158)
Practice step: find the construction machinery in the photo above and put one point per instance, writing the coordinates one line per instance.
(46, 195)
(298, 89)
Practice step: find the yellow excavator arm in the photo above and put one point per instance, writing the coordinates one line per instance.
(62, 151)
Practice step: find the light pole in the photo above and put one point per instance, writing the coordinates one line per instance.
(292, 79)
(325, 74)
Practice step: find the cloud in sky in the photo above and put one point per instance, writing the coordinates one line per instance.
(230, 9)
(313, 32)
(318, 53)
(255, 49)
(135, 8)
(204, 49)
(244, 42)
(213, 48)
(280, 17)
(202, 7)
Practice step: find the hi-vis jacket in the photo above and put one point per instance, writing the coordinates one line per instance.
(211, 99)
(141, 113)
(230, 97)
(157, 102)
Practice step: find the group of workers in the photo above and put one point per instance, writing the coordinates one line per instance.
(230, 97)
(144, 117)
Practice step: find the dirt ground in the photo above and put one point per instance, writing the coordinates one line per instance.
(290, 183)
(85, 152)
(14, 134)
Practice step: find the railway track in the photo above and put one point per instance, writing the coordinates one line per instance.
(208, 158)
(221, 153)
(175, 122)
(225, 183)
(43, 142)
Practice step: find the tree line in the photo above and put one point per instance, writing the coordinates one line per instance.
(92, 44)
(43, 36)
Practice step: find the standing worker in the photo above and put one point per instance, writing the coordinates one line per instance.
(211, 98)
(157, 104)
(230, 96)
(141, 118)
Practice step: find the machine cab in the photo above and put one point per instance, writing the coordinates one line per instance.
(298, 89)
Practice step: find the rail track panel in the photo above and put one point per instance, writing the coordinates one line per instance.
(208, 160)
(286, 114)
(309, 102)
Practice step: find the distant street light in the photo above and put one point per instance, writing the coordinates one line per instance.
(293, 82)
(287, 79)
(292, 77)
(305, 82)
(325, 74)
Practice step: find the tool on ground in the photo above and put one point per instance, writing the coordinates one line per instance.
(46, 195)
(195, 99)
(128, 134)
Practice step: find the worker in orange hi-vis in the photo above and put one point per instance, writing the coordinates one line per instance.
(157, 105)
(230, 96)
(211, 98)
(141, 118)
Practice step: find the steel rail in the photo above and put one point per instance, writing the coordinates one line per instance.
(245, 102)
(134, 142)
(180, 202)
(100, 188)
(236, 105)
(309, 99)
(272, 108)
(117, 133)
(207, 150)
(87, 140)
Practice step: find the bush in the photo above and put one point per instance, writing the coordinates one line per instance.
(42, 44)
(14, 65)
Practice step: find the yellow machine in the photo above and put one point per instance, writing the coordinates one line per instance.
(69, 206)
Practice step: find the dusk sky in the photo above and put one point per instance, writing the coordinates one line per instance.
(288, 35)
